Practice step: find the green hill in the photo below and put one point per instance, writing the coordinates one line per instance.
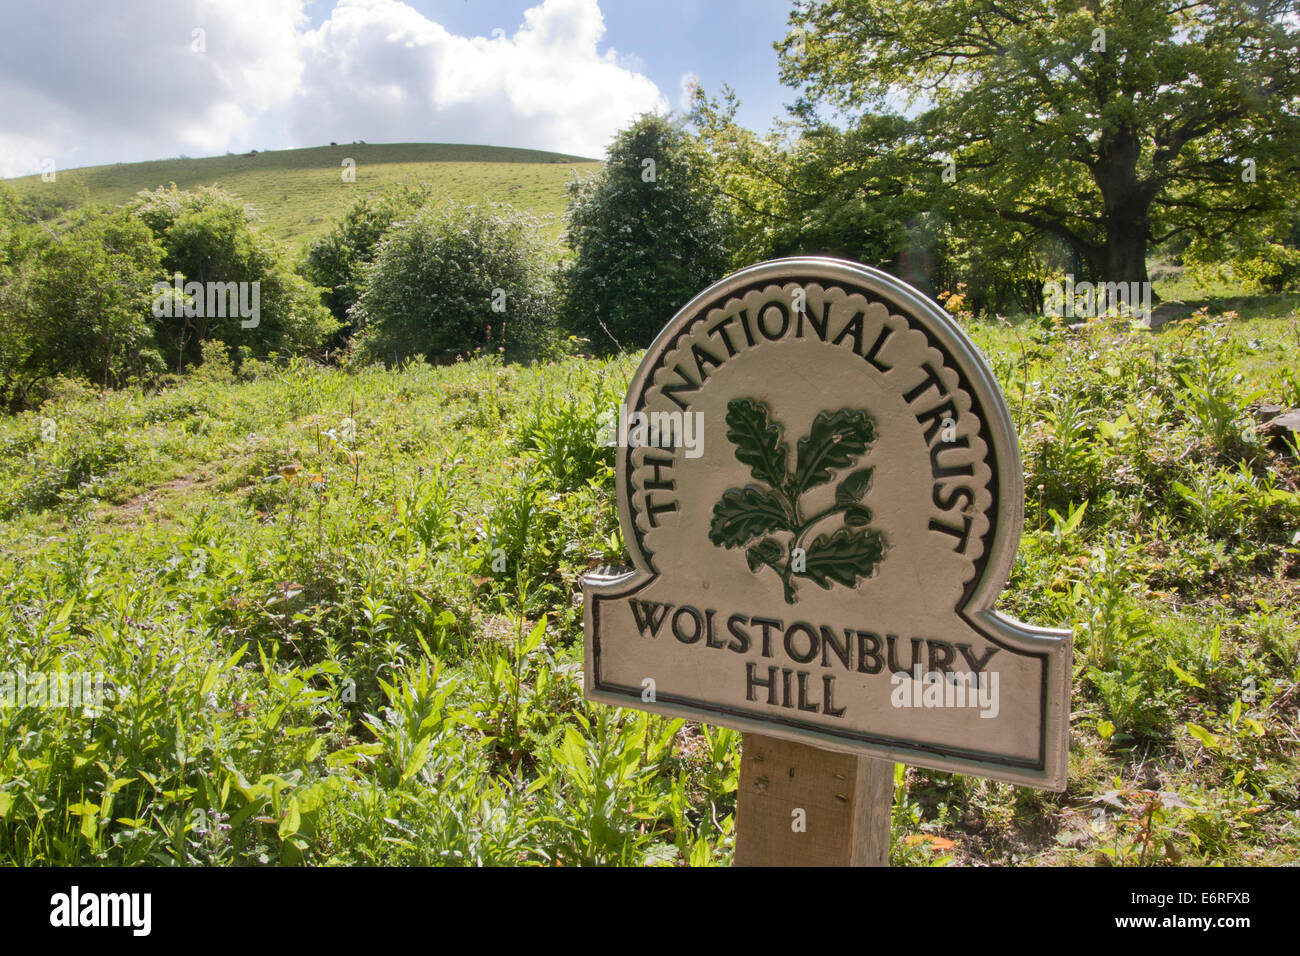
(298, 192)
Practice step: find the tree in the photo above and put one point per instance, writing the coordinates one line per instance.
(16, 333)
(1267, 258)
(336, 260)
(207, 237)
(453, 280)
(74, 301)
(647, 232)
(810, 188)
(1109, 124)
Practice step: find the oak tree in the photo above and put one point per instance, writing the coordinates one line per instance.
(1113, 125)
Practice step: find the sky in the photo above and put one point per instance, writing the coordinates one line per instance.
(84, 82)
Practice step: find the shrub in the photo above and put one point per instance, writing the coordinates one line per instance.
(336, 261)
(74, 302)
(453, 281)
(207, 236)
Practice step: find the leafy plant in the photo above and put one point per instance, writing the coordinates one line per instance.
(244, 627)
(1147, 825)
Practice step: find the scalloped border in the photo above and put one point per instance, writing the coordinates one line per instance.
(993, 568)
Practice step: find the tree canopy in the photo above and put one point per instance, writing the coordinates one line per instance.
(647, 232)
(1110, 125)
(74, 301)
(337, 259)
(207, 237)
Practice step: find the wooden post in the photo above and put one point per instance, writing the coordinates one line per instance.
(804, 806)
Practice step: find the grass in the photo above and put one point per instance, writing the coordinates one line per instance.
(300, 192)
(335, 615)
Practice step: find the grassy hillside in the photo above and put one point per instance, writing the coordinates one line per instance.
(299, 191)
(334, 613)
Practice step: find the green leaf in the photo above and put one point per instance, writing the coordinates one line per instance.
(535, 636)
(574, 754)
(835, 440)
(1204, 736)
(1181, 674)
(1076, 516)
(292, 820)
(843, 557)
(768, 551)
(1105, 729)
(854, 487)
(89, 821)
(209, 680)
(757, 440)
(746, 513)
(418, 759)
(249, 809)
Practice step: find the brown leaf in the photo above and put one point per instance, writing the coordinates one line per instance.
(935, 842)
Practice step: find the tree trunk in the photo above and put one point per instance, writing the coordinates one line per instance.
(1127, 203)
(1125, 255)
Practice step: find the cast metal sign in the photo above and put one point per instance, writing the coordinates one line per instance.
(821, 491)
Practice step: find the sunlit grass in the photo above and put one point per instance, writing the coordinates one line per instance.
(293, 581)
(299, 192)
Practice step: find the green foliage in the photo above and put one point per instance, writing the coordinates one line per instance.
(455, 281)
(335, 261)
(207, 236)
(74, 302)
(1210, 392)
(825, 191)
(1105, 126)
(92, 296)
(867, 193)
(311, 655)
(569, 429)
(646, 233)
(216, 365)
(1266, 258)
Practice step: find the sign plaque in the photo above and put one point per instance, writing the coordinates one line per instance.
(821, 491)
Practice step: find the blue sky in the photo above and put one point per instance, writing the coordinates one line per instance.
(84, 82)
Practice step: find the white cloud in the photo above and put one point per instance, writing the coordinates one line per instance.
(379, 71)
(83, 82)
